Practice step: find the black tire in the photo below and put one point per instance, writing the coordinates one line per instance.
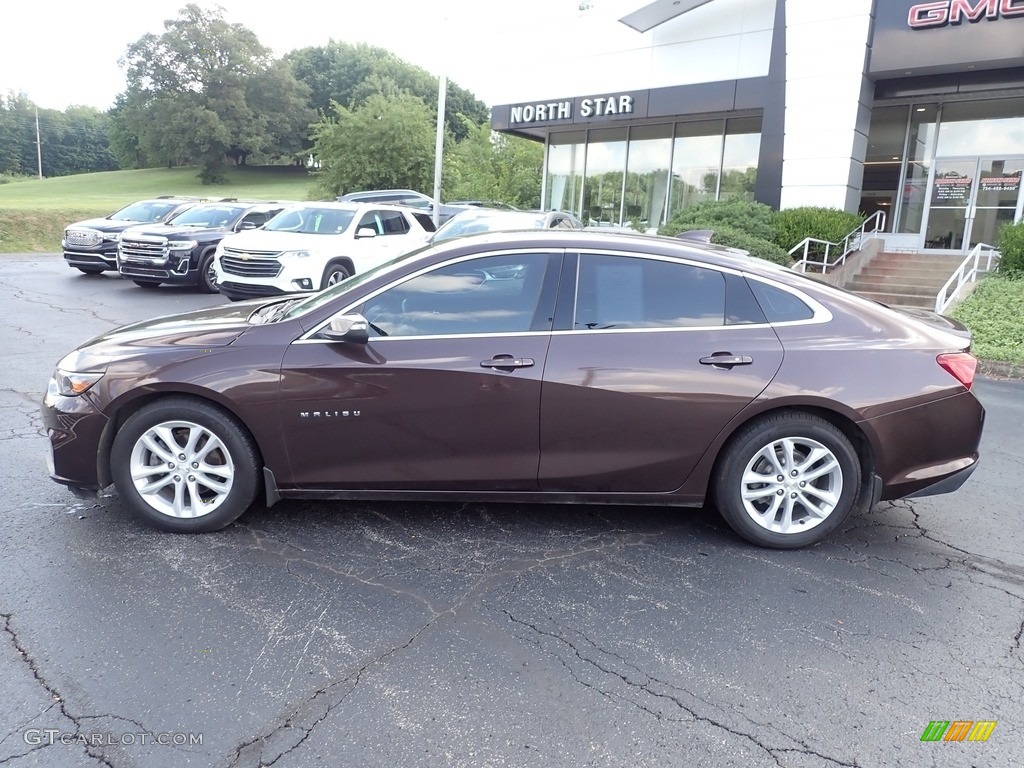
(147, 283)
(334, 273)
(90, 270)
(819, 487)
(222, 474)
(207, 277)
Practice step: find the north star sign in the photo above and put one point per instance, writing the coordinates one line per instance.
(592, 106)
(946, 12)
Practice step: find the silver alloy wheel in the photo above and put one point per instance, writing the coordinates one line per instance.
(791, 485)
(336, 276)
(181, 469)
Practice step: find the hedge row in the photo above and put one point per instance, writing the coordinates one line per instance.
(761, 230)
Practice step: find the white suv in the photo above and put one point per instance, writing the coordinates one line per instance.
(312, 246)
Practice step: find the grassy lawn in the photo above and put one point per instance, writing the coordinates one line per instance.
(33, 212)
(994, 314)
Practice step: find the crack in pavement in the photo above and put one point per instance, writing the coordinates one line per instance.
(80, 737)
(647, 684)
(267, 749)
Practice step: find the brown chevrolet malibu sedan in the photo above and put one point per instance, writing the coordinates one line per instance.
(556, 366)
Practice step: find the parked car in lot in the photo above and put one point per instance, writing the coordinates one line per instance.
(181, 251)
(477, 220)
(91, 246)
(312, 246)
(555, 365)
(406, 197)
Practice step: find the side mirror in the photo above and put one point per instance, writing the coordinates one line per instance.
(365, 232)
(247, 225)
(352, 328)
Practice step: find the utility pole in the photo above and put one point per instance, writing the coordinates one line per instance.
(442, 93)
(39, 147)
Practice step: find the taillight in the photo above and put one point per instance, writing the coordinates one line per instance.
(961, 365)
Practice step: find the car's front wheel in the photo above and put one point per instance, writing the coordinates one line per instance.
(207, 274)
(334, 274)
(787, 480)
(184, 466)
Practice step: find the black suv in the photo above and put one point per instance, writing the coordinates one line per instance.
(91, 245)
(181, 251)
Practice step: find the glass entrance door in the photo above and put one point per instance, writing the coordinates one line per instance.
(971, 199)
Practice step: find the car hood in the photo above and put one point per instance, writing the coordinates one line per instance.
(273, 240)
(170, 232)
(203, 329)
(103, 225)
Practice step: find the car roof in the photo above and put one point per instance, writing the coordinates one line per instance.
(621, 240)
(353, 205)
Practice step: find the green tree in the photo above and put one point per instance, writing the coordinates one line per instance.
(490, 166)
(349, 74)
(206, 90)
(384, 143)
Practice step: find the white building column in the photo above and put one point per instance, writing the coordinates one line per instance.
(828, 102)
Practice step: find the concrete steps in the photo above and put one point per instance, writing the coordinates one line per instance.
(904, 279)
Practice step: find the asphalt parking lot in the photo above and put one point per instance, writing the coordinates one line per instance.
(391, 634)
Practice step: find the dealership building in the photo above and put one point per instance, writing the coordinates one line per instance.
(908, 107)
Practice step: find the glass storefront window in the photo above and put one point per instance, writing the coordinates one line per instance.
(696, 163)
(650, 147)
(919, 155)
(739, 158)
(883, 162)
(993, 127)
(602, 186)
(566, 160)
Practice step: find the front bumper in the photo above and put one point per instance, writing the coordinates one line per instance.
(75, 429)
(91, 258)
(175, 269)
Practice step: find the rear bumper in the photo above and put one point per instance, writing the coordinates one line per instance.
(948, 484)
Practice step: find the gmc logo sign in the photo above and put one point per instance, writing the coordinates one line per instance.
(944, 12)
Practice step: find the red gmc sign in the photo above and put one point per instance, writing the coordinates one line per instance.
(942, 13)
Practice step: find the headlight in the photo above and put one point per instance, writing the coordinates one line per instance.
(181, 245)
(112, 237)
(74, 383)
(295, 254)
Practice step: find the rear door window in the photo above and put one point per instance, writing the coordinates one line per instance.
(617, 292)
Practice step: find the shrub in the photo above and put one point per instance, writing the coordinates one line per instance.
(794, 224)
(753, 218)
(992, 312)
(737, 238)
(1011, 246)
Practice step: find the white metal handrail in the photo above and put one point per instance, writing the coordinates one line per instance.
(872, 224)
(967, 272)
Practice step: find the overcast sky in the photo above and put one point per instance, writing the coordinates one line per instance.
(62, 52)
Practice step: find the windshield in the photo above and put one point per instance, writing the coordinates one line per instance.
(473, 222)
(145, 212)
(312, 220)
(318, 299)
(208, 216)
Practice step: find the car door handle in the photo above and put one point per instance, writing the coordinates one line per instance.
(726, 360)
(507, 361)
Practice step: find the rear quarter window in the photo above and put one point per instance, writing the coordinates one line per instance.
(779, 306)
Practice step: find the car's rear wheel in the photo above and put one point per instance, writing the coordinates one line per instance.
(334, 274)
(147, 283)
(207, 274)
(787, 480)
(184, 466)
